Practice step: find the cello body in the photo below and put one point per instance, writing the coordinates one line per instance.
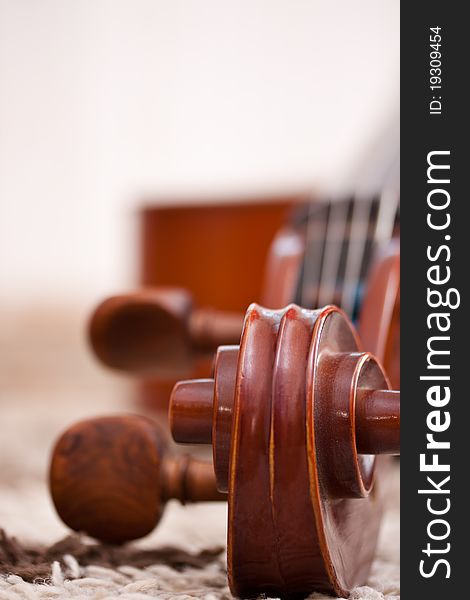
(217, 252)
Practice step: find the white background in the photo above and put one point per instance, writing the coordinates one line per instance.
(104, 102)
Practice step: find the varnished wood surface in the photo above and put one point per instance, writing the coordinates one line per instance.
(110, 477)
(216, 251)
(303, 480)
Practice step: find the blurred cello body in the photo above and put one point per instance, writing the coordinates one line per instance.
(215, 251)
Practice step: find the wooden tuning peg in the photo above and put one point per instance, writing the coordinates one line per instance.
(110, 477)
(298, 417)
(157, 331)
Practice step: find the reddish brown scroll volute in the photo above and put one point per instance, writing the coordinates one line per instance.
(302, 408)
(110, 477)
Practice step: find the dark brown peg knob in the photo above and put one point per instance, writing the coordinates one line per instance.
(157, 331)
(298, 417)
(110, 477)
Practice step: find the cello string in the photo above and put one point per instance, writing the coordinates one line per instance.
(327, 238)
(306, 262)
(357, 244)
(389, 205)
(386, 217)
(334, 241)
(316, 223)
